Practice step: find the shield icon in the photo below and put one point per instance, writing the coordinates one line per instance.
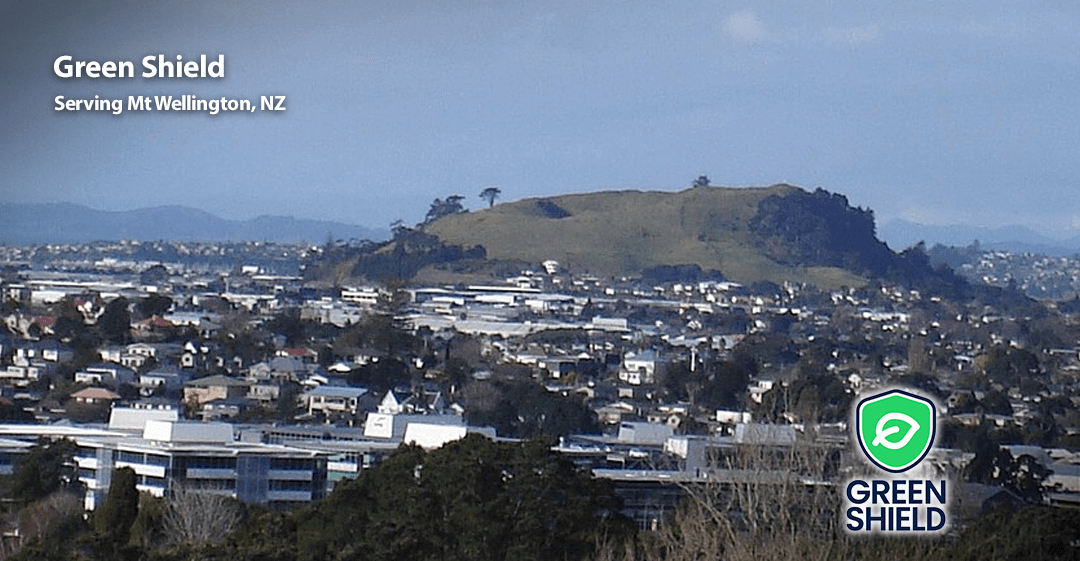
(896, 429)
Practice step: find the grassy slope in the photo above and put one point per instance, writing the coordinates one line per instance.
(624, 232)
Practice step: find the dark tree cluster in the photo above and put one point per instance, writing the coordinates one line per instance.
(471, 499)
(820, 228)
(525, 409)
(440, 208)
(718, 384)
(407, 253)
(549, 209)
(663, 274)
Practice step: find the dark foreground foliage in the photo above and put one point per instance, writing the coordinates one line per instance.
(471, 499)
(476, 499)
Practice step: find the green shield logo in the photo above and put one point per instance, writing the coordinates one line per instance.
(896, 429)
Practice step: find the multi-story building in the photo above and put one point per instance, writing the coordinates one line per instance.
(203, 456)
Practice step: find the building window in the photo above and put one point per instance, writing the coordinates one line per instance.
(300, 464)
(205, 462)
(288, 485)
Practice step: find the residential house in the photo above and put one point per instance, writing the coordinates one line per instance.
(218, 409)
(279, 369)
(422, 401)
(134, 361)
(157, 351)
(391, 404)
(94, 396)
(23, 375)
(304, 355)
(26, 354)
(642, 368)
(167, 376)
(105, 374)
(204, 390)
(334, 399)
(153, 324)
(264, 391)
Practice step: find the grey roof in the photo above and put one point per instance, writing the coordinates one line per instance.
(337, 391)
(217, 380)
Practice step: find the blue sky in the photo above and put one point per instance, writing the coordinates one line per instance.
(936, 112)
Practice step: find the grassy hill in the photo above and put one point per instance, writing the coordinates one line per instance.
(626, 232)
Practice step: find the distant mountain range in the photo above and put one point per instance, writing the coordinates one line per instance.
(22, 224)
(901, 234)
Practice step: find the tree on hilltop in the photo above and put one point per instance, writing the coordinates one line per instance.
(440, 208)
(489, 194)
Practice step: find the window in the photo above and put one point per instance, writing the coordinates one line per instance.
(288, 485)
(130, 457)
(209, 462)
(303, 464)
(155, 460)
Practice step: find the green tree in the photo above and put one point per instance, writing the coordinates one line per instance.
(156, 274)
(472, 499)
(526, 409)
(114, 519)
(440, 208)
(153, 305)
(148, 528)
(995, 465)
(724, 382)
(1033, 533)
(1009, 366)
(47, 467)
(115, 321)
(489, 194)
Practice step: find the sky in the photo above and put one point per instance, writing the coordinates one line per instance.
(935, 112)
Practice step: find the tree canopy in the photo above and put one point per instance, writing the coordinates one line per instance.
(489, 194)
(440, 208)
(471, 499)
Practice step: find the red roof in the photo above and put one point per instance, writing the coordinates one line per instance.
(157, 321)
(95, 393)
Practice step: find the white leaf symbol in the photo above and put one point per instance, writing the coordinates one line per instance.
(880, 439)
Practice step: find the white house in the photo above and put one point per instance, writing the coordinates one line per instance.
(166, 376)
(334, 399)
(105, 374)
(641, 368)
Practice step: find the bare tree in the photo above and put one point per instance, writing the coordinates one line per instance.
(39, 519)
(199, 516)
(762, 503)
(768, 503)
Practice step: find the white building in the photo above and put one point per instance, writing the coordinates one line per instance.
(334, 399)
(197, 455)
(641, 368)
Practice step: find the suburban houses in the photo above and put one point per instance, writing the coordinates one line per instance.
(270, 389)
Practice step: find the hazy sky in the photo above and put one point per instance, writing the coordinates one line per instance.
(939, 112)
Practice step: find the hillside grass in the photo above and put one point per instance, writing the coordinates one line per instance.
(624, 232)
